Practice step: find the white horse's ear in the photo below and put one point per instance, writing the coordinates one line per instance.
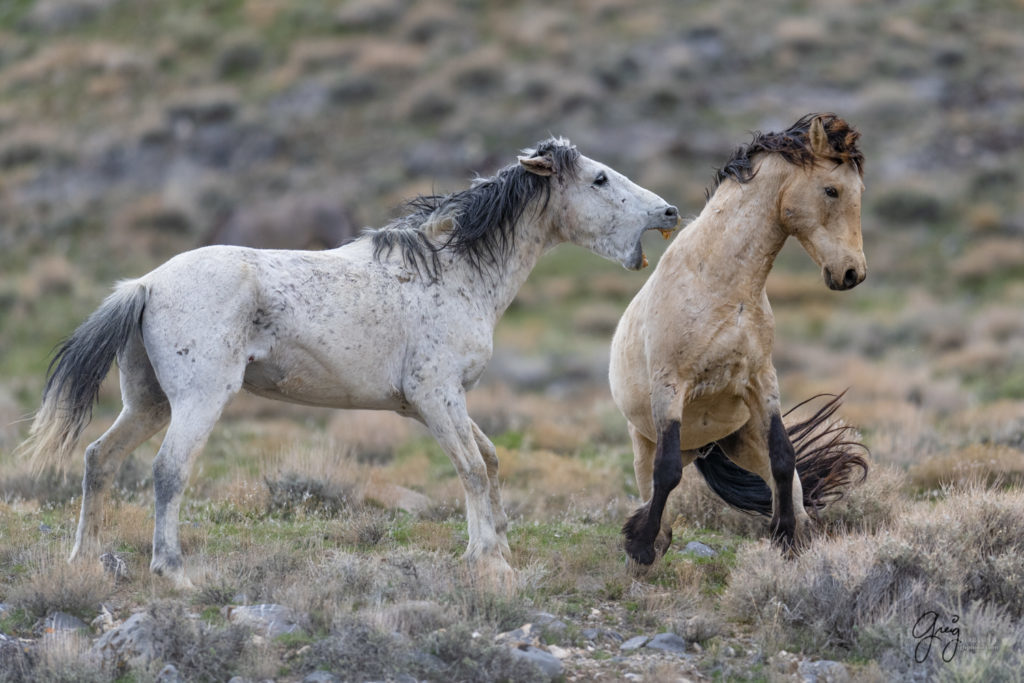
(819, 139)
(539, 165)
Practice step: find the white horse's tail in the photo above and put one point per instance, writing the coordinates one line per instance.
(75, 375)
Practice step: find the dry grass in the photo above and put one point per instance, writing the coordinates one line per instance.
(991, 464)
(861, 594)
(49, 584)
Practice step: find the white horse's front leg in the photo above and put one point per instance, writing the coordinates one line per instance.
(445, 415)
(490, 455)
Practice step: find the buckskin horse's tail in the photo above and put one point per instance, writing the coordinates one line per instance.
(827, 453)
(75, 375)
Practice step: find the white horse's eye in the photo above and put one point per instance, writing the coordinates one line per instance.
(601, 179)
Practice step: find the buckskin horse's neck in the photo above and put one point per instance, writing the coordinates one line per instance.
(738, 235)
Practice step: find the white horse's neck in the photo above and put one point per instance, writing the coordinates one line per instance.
(496, 285)
(738, 234)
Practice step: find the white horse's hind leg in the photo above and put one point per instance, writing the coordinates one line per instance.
(145, 412)
(490, 456)
(190, 427)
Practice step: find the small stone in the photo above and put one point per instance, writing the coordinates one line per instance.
(667, 642)
(550, 665)
(729, 651)
(559, 652)
(168, 674)
(131, 643)
(634, 643)
(62, 621)
(784, 662)
(590, 633)
(321, 677)
(613, 635)
(824, 671)
(45, 528)
(699, 549)
(543, 618)
(269, 621)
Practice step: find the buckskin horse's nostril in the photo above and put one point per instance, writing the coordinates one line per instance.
(850, 278)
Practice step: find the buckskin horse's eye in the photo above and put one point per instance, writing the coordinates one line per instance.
(601, 179)
(831, 192)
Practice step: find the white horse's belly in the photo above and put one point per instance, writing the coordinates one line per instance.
(299, 377)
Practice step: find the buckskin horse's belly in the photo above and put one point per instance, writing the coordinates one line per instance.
(709, 419)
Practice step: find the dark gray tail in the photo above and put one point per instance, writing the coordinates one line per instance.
(76, 372)
(827, 453)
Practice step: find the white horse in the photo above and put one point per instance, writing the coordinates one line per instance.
(401, 319)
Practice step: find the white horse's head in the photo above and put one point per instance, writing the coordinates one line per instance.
(595, 206)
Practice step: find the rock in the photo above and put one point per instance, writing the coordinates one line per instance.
(590, 633)
(634, 643)
(129, 644)
(824, 671)
(55, 16)
(321, 677)
(550, 665)
(667, 642)
(17, 656)
(784, 662)
(45, 528)
(62, 621)
(559, 652)
(699, 549)
(268, 621)
(168, 674)
(542, 618)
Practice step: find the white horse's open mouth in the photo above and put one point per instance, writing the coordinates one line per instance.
(665, 224)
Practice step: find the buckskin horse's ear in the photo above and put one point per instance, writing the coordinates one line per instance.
(542, 165)
(819, 139)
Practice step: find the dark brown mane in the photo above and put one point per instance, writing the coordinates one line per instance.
(793, 145)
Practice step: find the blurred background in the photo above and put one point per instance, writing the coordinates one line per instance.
(131, 130)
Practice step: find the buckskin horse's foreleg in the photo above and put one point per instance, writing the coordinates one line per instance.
(642, 529)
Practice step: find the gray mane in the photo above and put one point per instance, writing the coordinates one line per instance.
(477, 223)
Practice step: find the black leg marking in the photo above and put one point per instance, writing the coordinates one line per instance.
(783, 463)
(642, 528)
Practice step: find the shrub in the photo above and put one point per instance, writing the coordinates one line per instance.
(200, 652)
(356, 649)
(53, 585)
(861, 595)
(469, 658)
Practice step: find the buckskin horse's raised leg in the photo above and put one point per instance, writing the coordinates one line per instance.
(642, 529)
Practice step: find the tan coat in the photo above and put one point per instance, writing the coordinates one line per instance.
(695, 344)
